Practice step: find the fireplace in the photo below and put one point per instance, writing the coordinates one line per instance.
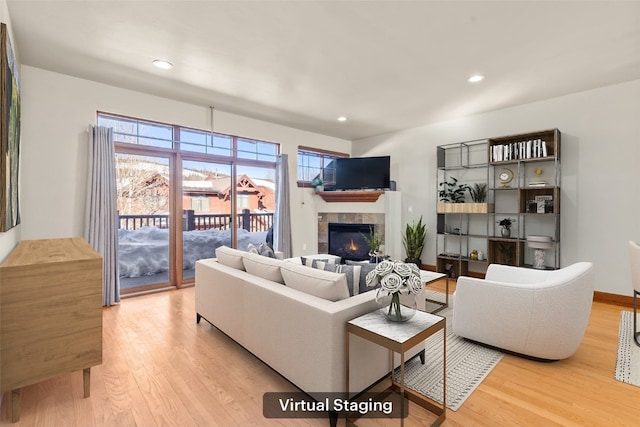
(347, 240)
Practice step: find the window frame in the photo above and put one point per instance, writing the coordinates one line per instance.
(176, 157)
(323, 154)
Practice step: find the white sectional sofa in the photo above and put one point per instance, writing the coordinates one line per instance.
(298, 334)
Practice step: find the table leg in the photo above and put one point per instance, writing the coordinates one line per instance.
(86, 377)
(444, 368)
(15, 405)
(446, 293)
(402, 396)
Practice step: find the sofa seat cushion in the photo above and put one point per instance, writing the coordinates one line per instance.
(323, 284)
(230, 257)
(263, 266)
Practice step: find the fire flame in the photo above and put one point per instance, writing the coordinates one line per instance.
(352, 246)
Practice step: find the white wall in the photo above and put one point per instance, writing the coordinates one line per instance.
(600, 136)
(9, 239)
(600, 201)
(56, 111)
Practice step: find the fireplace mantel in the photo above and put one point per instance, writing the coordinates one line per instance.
(350, 196)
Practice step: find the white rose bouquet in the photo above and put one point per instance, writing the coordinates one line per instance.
(396, 278)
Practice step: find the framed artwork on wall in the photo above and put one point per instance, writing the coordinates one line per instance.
(9, 134)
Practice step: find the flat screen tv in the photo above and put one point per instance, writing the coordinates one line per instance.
(362, 173)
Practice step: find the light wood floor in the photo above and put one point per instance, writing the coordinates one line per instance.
(160, 368)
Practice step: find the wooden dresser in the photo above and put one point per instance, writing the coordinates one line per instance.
(50, 313)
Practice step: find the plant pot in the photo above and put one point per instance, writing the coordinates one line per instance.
(416, 261)
(505, 232)
(396, 307)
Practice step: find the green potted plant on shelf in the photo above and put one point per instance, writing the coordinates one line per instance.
(413, 241)
(452, 191)
(506, 253)
(506, 223)
(478, 192)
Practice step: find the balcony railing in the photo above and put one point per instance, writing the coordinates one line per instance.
(253, 222)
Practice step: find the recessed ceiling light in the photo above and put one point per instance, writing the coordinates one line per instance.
(475, 78)
(162, 64)
(342, 119)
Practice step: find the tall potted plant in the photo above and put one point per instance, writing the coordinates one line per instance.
(413, 241)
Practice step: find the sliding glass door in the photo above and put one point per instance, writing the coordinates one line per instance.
(256, 204)
(143, 200)
(182, 193)
(207, 193)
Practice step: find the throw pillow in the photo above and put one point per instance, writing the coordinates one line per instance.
(319, 283)
(365, 268)
(230, 257)
(351, 271)
(310, 261)
(265, 250)
(251, 248)
(262, 266)
(319, 264)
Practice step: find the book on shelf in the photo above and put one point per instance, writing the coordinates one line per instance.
(520, 150)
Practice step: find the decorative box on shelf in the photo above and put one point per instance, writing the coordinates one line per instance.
(464, 207)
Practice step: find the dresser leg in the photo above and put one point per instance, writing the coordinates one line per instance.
(86, 376)
(15, 405)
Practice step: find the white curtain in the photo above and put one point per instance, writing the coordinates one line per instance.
(101, 230)
(282, 216)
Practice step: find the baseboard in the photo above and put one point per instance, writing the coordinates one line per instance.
(623, 300)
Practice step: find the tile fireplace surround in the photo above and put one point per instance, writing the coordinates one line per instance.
(324, 218)
(385, 214)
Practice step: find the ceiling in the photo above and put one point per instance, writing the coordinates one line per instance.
(386, 65)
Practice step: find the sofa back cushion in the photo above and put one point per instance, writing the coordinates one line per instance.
(263, 266)
(230, 257)
(322, 284)
(309, 259)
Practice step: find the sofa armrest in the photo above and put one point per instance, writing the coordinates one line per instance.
(510, 274)
(486, 308)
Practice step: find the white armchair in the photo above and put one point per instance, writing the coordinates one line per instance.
(634, 252)
(538, 313)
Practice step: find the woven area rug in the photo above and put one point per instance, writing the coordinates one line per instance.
(467, 364)
(628, 358)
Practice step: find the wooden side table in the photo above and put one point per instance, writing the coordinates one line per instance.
(398, 338)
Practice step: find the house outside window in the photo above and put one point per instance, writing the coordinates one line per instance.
(314, 162)
(200, 204)
(242, 201)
